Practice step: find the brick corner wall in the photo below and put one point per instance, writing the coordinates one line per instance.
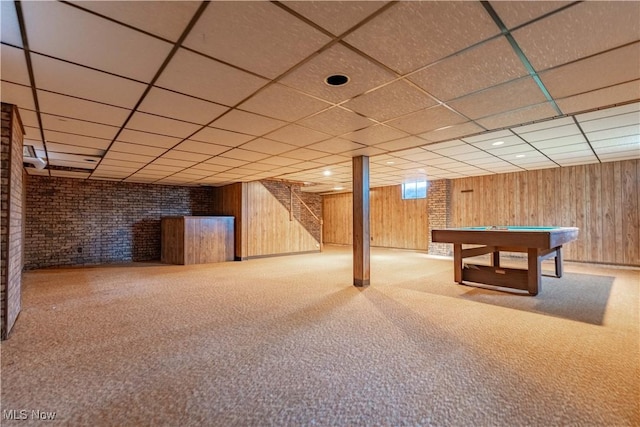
(439, 211)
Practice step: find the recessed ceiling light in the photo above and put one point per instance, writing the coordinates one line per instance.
(390, 163)
(326, 173)
(337, 80)
(519, 156)
(498, 143)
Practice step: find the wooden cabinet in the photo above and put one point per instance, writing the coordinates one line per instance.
(197, 239)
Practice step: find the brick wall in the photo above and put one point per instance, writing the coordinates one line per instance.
(439, 198)
(282, 191)
(85, 222)
(11, 231)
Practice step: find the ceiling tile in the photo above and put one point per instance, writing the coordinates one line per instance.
(147, 138)
(69, 79)
(549, 133)
(115, 155)
(191, 74)
(72, 149)
(427, 120)
(162, 125)
(611, 157)
(609, 112)
(251, 35)
(277, 161)
(335, 145)
(19, 95)
(516, 117)
(34, 171)
(210, 168)
(174, 105)
(336, 16)
(366, 151)
(245, 155)
(77, 140)
(396, 37)
(9, 26)
(297, 135)
(390, 101)
(573, 160)
(248, 123)
(480, 67)
(283, 103)
(614, 132)
(594, 73)
(375, 134)
(161, 161)
(80, 109)
(166, 19)
(125, 147)
(119, 164)
(546, 125)
(599, 98)
(337, 121)
(221, 137)
(226, 161)
(620, 141)
(578, 31)
(267, 146)
(506, 150)
(489, 136)
(557, 142)
(13, 67)
(453, 131)
(402, 143)
(304, 154)
(183, 155)
(550, 151)
(628, 119)
(515, 13)
(68, 33)
(499, 99)
(70, 174)
(79, 127)
(201, 148)
(363, 74)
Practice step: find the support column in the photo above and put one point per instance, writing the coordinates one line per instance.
(361, 226)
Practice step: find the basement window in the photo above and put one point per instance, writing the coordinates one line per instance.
(414, 190)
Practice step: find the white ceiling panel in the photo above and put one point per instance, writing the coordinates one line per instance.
(545, 125)
(248, 123)
(240, 154)
(221, 137)
(515, 13)
(578, 31)
(184, 155)
(19, 95)
(390, 101)
(161, 161)
(81, 109)
(62, 77)
(267, 146)
(71, 149)
(375, 134)
(78, 127)
(34, 171)
(594, 73)
(608, 112)
(626, 148)
(624, 140)
(365, 151)
(226, 161)
(299, 136)
(622, 120)
(490, 63)
(13, 67)
(150, 123)
(516, 94)
(304, 154)
(71, 34)
(201, 148)
(191, 74)
(118, 164)
(9, 26)
(573, 160)
(614, 133)
(396, 36)
(335, 145)
(146, 150)
(337, 121)
(147, 138)
(76, 140)
(70, 174)
(166, 19)
(283, 103)
(620, 156)
(452, 131)
(507, 150)
(336, 16)
(129, 157)
(253, 34)
(557, 142)
(275, 161)
(363, 74)
(550, 151)
(599, 98)
(210, 168)
(402, 143)
(427, 120)
(551, 133)
(171, 104)
(29, 118)
(516, 117)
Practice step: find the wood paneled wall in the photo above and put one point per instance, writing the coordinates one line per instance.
(270, 230)
(395, 223)
(262, 224)
(601, 199)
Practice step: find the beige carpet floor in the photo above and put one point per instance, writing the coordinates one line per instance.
(289, 341)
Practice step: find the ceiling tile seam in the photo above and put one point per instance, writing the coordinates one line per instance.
(115, 21)
(523, 58)
(162, 67)
(601, 88)
(546, 15)
(521, 137)
(32, 80)
(593, 55)
(586, 138)
(81, 98)
(484, 151)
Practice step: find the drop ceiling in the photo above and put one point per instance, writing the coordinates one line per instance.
(191, 93)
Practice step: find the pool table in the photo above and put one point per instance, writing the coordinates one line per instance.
(539, 243)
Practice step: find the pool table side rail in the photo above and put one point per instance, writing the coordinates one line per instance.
(543, 239)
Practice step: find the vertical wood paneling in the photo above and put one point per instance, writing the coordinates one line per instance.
(630, 226)
(231, 200)
(608, 213)
(336, 211)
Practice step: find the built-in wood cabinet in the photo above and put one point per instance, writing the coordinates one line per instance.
(197, 239)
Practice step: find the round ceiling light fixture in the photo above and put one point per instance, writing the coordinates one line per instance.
(337, 80)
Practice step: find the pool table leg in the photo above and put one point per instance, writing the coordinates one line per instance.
(559, 262)
(533, 276)
(495, 259)
(457, 262)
